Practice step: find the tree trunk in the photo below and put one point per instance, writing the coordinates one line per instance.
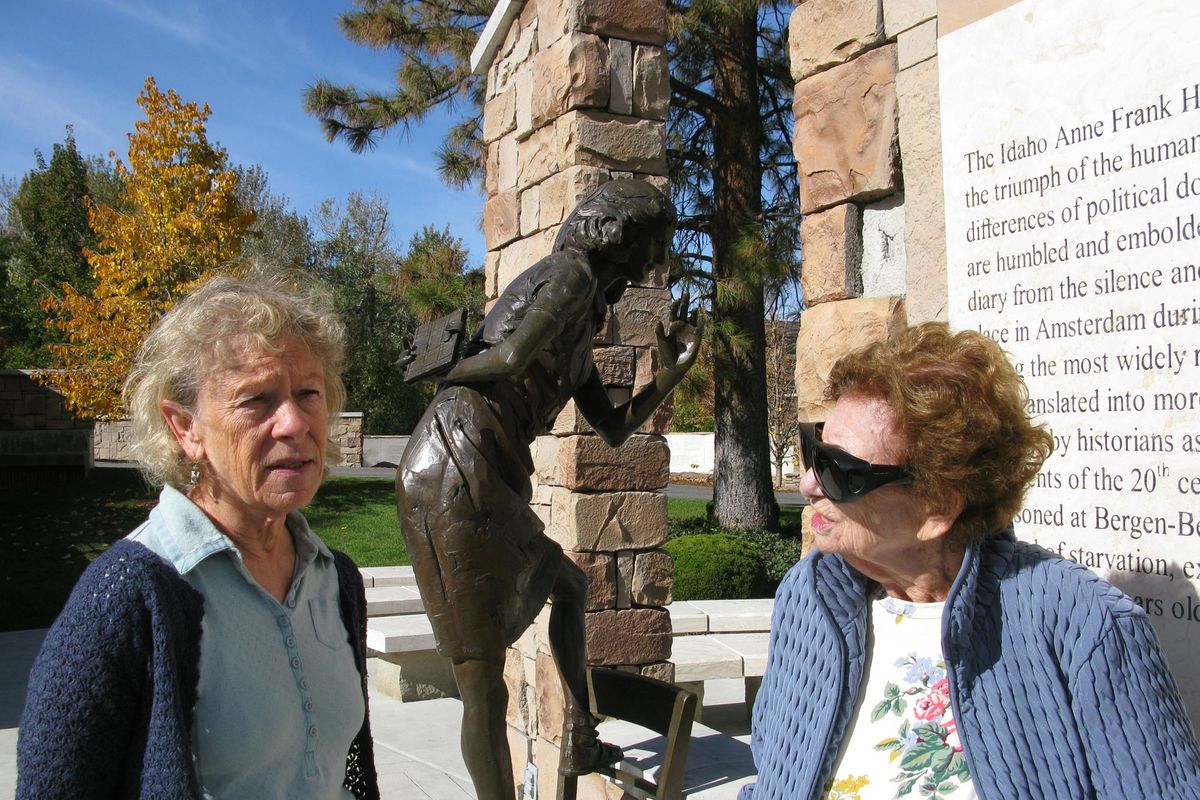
(742, 491)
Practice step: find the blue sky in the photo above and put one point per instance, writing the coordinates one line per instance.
(83, 63)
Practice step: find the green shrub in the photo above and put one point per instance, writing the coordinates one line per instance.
(716, 566)
(778, 552)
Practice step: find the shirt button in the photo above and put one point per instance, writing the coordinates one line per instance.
(308, 705)
(283, 620)
(296, 662)
(312, 731)
(291, 641)
(304, 683)
(291, 602)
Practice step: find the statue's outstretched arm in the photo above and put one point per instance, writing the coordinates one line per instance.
(678, 347)
(511, 356)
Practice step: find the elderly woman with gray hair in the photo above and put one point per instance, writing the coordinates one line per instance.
(219, 649)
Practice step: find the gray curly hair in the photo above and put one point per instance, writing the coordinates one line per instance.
(191, 341)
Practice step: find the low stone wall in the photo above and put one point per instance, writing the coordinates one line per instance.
(111, 441)
(346, 430)
(383, 451)
(39, 438)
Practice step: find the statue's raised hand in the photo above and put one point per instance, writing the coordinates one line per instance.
(679, 339)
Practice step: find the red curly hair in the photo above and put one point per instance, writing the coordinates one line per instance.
(960, 407)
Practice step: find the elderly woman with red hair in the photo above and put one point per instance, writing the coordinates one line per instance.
(921, 650)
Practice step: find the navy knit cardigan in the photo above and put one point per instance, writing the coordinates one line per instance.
(1057, 682)
(108, 713)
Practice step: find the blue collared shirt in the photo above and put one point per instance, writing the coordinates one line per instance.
(280, 699)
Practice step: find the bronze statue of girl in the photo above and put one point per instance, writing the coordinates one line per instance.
(483, 564)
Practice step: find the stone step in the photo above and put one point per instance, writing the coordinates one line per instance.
(388, 576)
(720, 616)
(406, 633)
(384, 601)
(719, 655)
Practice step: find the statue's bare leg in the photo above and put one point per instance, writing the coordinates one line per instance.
(582, 751)
(484, 737)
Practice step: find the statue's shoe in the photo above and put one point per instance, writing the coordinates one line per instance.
(583, 752)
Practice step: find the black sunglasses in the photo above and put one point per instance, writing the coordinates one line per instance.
(844, 478)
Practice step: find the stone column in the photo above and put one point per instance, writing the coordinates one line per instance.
(848, 155)
(576, 95)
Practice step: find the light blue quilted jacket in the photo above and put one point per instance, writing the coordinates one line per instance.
(1058, 685)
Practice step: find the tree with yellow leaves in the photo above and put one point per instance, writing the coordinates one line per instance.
(180, 222)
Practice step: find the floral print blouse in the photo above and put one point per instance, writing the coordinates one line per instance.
(902, 740)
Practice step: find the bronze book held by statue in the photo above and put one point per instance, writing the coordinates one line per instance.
(436, 347)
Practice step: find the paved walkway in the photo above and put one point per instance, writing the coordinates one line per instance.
(416, 744)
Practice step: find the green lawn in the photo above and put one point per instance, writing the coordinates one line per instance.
(51, 533)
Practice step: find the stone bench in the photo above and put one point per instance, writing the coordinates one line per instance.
(387, 601)
(387, 576)
(720, 639)
(405, 661)
(713, 639)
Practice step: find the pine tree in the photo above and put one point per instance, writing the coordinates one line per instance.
(729, 143)
(179, 221)
(49, 231)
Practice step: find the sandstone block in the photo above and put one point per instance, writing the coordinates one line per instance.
(573, 73)
(608, 521)
(883, 262)
(832, 241)
(570, 421)
(916, 45)
(629, 636)
(828, 332)
(531, 210)
(491, 273)
(625, 560)
(846, 145)
(663, 671)
(824, 33)
(550, 699)
(900, 15)
(642, 464)
(553, 18)
(522, 254)
(508, 167)
(617, 143)
(620, 76)
(491, 176)
(519, 751)
(546, 755)
(638, 21)
(653, 572)
(520, 713)
(519, 44)
(501, 219)
(636, 317)
(523, 85)
(924, 210)
(544, 451)
(499, 115)
(651, 83)
(647, 366)
(539, 157)
(562, 191)
(601, 572)
(616, 365)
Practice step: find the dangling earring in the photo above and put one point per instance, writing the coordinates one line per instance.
(194, 478)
